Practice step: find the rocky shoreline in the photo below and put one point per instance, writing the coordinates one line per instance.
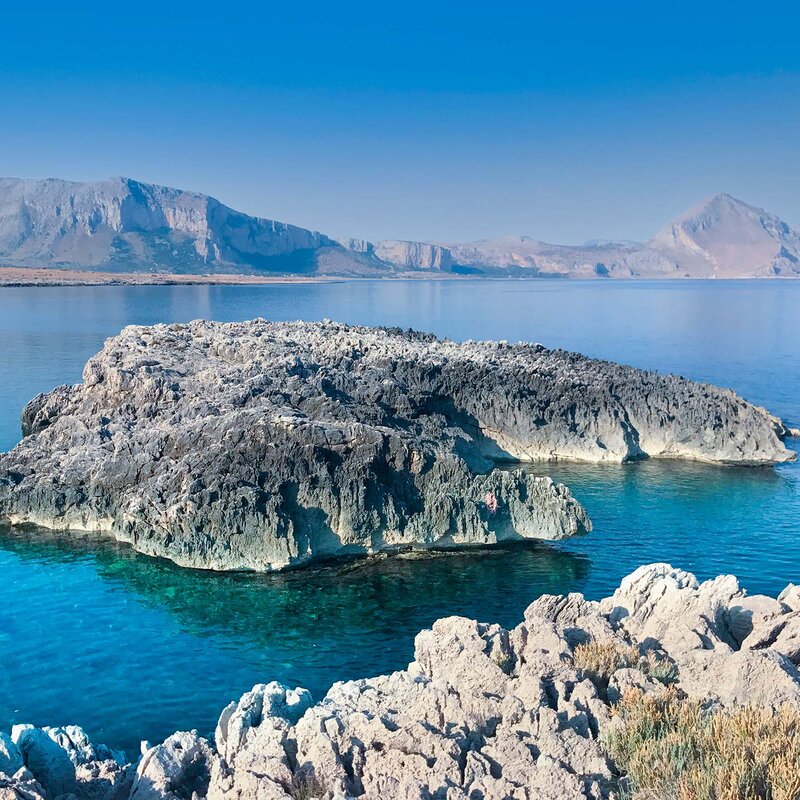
(262, 446)
(482, 713)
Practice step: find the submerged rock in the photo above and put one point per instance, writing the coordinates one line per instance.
(482, 713)
(264, 445)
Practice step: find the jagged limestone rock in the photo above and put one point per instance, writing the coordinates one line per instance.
(261, 445)
(481, 711)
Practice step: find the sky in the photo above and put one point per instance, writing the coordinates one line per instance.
(420, 120)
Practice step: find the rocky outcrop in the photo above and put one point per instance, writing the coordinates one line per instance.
(263, 445)
(482, 713)
(45, 763)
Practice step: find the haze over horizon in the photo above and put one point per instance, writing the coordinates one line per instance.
(429, 123)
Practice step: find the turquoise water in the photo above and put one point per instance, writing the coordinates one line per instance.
(132, 647)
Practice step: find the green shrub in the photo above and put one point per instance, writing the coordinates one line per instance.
(659, 668)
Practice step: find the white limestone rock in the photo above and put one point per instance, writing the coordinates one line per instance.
(21, 786)
(74, 741)
(752, 612)
(481, 712)
(746, 677)
(104, 779)
(177, 769)
(45, 759)
(778, 632)
(270, 702)
(659, 604)
(264, 445)
(790, 597)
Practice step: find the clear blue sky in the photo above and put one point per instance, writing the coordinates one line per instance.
(430, 120)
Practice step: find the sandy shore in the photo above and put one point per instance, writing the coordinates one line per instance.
(20, 276)
(25, 276)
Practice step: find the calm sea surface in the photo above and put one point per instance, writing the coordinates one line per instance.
(132, 647)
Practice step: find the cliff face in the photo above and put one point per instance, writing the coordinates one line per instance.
(263, 445)
(120, 223)
(481, 713)
(402, 254)
(414, 255)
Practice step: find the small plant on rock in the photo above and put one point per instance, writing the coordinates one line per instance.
(504, 660)
(307, 786)
(659, 668)
(600, 660)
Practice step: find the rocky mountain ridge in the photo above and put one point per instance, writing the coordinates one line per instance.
(481, 713)
(123, 225)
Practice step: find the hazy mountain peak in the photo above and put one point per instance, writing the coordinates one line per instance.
(726, 237)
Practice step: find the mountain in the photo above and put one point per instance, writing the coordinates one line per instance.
(123, 225)
(721, 238)
(725, 237)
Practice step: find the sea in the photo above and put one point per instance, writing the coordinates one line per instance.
(132, 647)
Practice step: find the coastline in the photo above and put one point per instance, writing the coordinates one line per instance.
(19, 277)
(546, 709)
(32, 277)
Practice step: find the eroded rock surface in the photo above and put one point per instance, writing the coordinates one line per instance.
(482, 713)
(263, 445)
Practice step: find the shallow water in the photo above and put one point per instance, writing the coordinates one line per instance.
(133, 647)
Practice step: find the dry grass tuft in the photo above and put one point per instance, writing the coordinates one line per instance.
(672, 749)
(600, 660)
(659, 668)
